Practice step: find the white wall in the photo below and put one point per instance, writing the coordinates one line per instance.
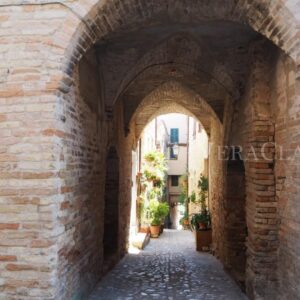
(198, 155)
(178, 166)
(176, 121)
(148, 138)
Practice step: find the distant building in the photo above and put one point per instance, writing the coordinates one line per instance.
(197, 159)
(184, 143)
(177, 155)
(154, 137)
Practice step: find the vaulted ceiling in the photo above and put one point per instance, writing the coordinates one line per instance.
(210, 58)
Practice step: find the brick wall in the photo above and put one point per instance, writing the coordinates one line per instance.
(81, 199)
(285, 104)
(55, 136)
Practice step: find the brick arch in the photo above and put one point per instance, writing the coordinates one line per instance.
(172, 97)
(214, 93)
(180, 51)
(98, 19)
(166, 106)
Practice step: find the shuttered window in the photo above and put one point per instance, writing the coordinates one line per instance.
(174, 135)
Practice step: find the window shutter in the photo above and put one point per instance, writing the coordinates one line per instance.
(174, 135)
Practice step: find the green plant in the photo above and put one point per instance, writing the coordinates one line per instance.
(202, 217)
(183, 198)
(201, 220)
(193, 197)
(158, 211)
(203, 191)
(154, 172)
(163, 210)
(203, 183)
(153, 181)
(185, 217)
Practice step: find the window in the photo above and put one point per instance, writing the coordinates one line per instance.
(174, 180)
(174, 135)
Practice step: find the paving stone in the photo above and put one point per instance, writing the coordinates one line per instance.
(169, 268)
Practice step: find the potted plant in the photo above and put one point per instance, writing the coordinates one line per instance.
(155, 228)
(184, 221)
(155, 218)
(201, 222)
(163, 211)
(158, 211)
(152, 181)
(184, 200)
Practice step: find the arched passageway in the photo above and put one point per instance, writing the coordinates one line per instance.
(92, 78)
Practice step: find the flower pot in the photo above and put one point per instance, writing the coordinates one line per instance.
(186, 222)
(202, 226)
(144, 229)
(203, 239)
(155, 230)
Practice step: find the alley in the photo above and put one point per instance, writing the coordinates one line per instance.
(169, 268)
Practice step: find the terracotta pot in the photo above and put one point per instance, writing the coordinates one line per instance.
(186, 222)
(155, 230)
(203, 239)
(144, 229)
(202, 226)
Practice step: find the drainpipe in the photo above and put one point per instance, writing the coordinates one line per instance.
(208, 168)
(155, 134)
(140, 154)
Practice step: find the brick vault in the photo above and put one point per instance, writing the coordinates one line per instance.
(78, 82)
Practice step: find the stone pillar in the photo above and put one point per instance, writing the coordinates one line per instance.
(261, 205)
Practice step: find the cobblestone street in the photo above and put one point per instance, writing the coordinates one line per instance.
(169, 268)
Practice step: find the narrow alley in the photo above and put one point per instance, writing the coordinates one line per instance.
(168, 268)
(122, 118)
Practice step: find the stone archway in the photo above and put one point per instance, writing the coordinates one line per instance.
(56, 128)
(168, 97)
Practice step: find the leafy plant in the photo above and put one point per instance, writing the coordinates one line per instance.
(158, 211)
(202, 217)
(201, 220)
(184, 218)
(153, 181)
(183, 198)
(193, 197)
(203, 191)
(203, 183)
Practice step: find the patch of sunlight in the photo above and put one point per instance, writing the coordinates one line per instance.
(133, 250)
